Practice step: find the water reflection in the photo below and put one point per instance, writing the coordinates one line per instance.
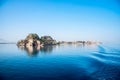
(47, 49)
(34, 50)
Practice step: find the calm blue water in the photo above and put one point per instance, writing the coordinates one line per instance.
(65, 62)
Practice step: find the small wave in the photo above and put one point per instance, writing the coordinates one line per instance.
(107, 55)
(106, 49)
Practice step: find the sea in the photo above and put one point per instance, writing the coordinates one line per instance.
(60, 62)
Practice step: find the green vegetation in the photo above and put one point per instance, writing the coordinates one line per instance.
(32, 36)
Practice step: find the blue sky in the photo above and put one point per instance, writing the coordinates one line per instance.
(62, 19)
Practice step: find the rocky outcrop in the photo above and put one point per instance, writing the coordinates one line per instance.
(21, 43)
(48, 40)
(32, 36)
(34, 40)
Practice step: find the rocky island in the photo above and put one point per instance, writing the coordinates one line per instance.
(34, 40)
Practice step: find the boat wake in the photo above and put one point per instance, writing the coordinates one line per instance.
(108, 59)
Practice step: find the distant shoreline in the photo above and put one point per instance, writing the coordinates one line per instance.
(7, 43)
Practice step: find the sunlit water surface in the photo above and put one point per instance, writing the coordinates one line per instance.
(64, 62)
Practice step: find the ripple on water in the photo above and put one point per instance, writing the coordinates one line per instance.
(110, 67)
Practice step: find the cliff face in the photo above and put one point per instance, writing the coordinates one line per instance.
(34, 40)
